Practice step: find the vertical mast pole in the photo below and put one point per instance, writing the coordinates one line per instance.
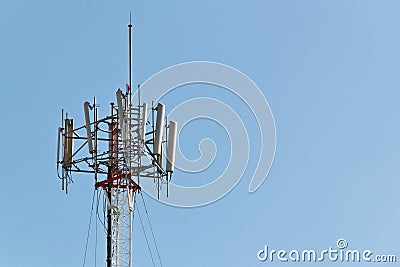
(108, 190)
(130, 135)
(130, 52)
(109, 228)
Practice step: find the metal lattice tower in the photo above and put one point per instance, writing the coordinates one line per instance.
(121, 151)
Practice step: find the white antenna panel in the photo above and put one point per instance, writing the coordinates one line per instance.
(171, 145)
(88, 129)
(69, 127)
(120, 109)
(58, 143)
(159, 129)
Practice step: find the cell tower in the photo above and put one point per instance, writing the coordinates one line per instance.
(118, 150)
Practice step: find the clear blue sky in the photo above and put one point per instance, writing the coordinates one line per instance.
(329, 69)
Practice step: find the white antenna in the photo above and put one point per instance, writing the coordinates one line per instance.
(120, 109)
(121, 116)
(171, 145)
(86, 106)
(159, 129)
(69, 125)
(58, 143)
